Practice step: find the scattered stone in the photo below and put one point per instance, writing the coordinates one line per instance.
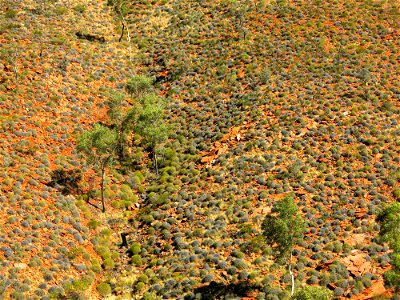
(21, 266)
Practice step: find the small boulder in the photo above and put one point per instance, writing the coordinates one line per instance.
(21, 266)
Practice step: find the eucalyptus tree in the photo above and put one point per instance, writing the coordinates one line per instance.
(283, 229)
(150, 123)
(99, 147)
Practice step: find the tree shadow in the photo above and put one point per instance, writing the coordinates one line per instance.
(66, 181)
(221, 290)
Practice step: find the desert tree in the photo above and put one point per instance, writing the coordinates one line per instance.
(121, 8)
(123, 111)
(283, 229)
(99, 147)
(150, 123)
(141, 115)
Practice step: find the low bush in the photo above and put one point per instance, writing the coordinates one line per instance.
(312, 293)
(104, 289)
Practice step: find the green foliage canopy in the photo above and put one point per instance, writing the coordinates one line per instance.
(98, 144)
(389, 220)
(312, 293)
(139, 85)
(122, 120)
(284, 228)
(150, 123)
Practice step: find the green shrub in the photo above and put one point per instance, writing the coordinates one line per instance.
(139, 286)
(137, 260)
(139, 177)
(127, 193)
(396, 194)
(104, 289)
(106, 232)
(80, 8)
(117, 204)
(329, 247)
(389, 219)
(81, 284)
(393, 278)
(337, 247)
(135, 248)
(60, 10)
(366, 281)
(143, 278)
(96, 267)
(139, 85)
(10, 14)
(312, 293)
(108, 264)
(75, 252)
(147, 219)
(103, 251)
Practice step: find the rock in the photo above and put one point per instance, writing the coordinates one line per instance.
(357, 264)
(21, 266)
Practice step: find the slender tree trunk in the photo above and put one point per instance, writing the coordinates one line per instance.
(122, 31)
(155, 162)
(126, 27)
(123, 238)
(291, 274)
(121, 153)
(103, 173)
